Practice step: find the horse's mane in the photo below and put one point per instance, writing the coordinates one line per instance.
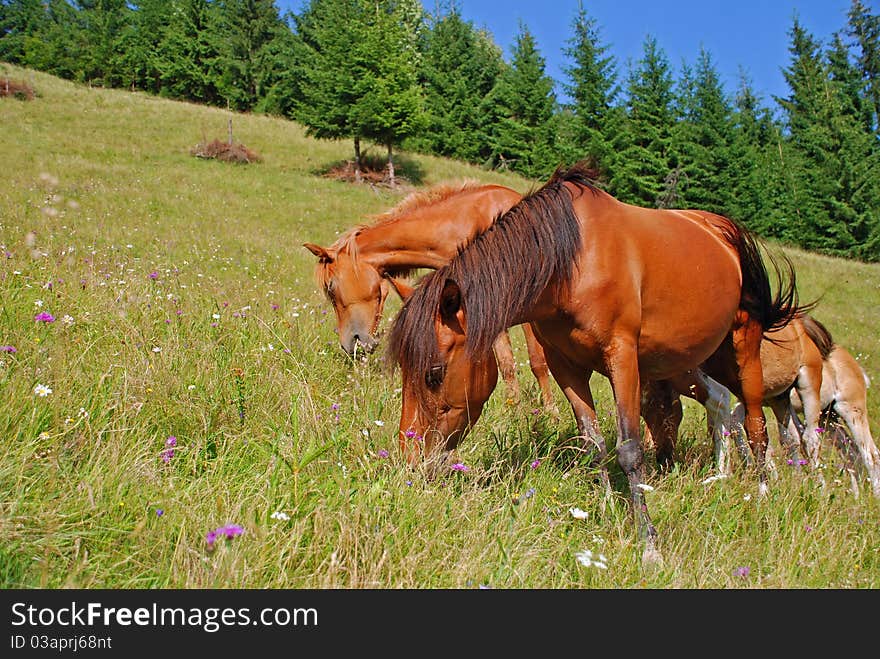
(347, 242)
(818, 334)
(500, 272)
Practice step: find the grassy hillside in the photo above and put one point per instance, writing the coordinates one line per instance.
(185, 308)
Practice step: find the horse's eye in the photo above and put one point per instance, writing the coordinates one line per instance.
(434, 377)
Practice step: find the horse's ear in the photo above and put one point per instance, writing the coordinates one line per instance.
(318, 251)
(450, 304)
(403, 289)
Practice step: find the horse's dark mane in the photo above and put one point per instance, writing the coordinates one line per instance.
(500, 273)
(819, 335)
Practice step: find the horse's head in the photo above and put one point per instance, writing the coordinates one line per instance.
(443, 398)
(357, 292)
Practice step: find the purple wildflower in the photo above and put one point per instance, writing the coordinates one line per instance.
(153, 275)
(535, 464)
(410, 434)
(230, 530)
(211, 538)
(334, 406)
(382, 453)
(171, 441)
(742, 571)
(274, 307)
(458, 466)
(159, 512)
(10, 349)
(44, 317)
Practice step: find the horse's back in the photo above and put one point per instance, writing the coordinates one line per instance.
(670, 275)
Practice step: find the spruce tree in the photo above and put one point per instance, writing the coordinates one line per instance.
(519, 113)
(460, 66)
(643, 159)
(701, 141)
(592, 86)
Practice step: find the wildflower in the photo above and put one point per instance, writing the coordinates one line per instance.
(577, 513)
(38, 303)
(535, 464)
(215, 316)
(231, 530)
(42, 390)
(280, 516)
(44, 317)
(382, 453)
(211, 538)
(9, 349)
(379, 422)
(334, 406)
(159, 512)
(168, 453)
(742, 571)
(191, 387)
(586, 559)
(410, 434)
(67, 320)
(458, 466)
(644, 487)
(747, 497)
(153, 275)
(712, 479)
(157, 349)
(45, 434)
(529, 493)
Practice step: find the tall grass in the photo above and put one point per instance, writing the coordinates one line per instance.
(185, 306)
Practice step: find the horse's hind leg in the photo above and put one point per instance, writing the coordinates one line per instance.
(809, 386)
(747, 348)
(856, 419)
(538, 364)
(507, 364)
(661, 409)
(575, 384)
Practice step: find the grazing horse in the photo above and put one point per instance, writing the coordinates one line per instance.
(425, 230)
(844, 396)
(608, 287)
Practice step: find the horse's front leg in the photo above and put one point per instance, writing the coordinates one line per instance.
(623, 367)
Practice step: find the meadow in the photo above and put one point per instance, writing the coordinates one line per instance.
(175, 410)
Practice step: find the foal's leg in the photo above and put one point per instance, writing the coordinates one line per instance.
(506, 364)
(747, 347)
(621, 357)
(856, 418)
(809, 386)
(538, 364)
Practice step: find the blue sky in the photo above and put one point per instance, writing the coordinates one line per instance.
(751, 35)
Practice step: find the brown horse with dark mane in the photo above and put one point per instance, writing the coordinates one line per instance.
(632, 293)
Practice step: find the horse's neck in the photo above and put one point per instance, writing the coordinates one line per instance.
(418, 240)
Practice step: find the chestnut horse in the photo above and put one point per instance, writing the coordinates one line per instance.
(424, 230)
(608, 287)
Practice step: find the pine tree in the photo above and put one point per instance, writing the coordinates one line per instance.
(519, 113)
(105, 22)
(188, 54)
(864, 27)
(460, 66)
(592, 86)
(247, 28)
(643, 160)
(389, 104)
(701, 141)
(139, 42)
(755, 184)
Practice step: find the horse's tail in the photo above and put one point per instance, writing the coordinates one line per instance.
(819, 335)
(773, 312)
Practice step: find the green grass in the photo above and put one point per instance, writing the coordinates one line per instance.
(99, 191)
